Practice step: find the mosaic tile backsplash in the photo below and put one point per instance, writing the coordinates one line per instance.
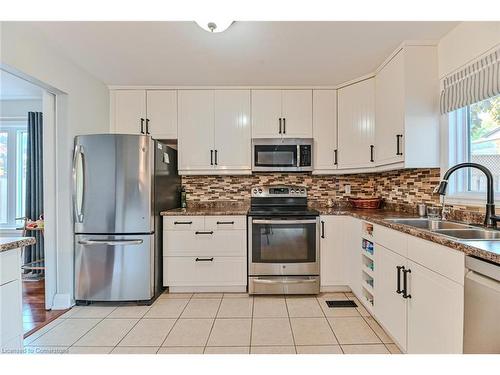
(401, 190)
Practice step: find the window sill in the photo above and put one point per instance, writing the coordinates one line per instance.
(464, 200)
(10, 232)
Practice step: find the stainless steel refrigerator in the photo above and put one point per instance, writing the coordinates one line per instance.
(121, 183)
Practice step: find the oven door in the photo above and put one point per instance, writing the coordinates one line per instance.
(284, 246)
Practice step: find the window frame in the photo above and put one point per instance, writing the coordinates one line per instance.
(456, 125)
(12, 128)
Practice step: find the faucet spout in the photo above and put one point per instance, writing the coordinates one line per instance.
(491, 219)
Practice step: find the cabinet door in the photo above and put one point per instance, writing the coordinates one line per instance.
(390, 111)
(352, 250)
(11, 324)
(332, 256)
(162, 113)
(129, 107)
(435, 313)
(266, 113)
(297, 113)
(356, 123)
(232, 130)
(389, 307)
(324, 129)
(196, 130)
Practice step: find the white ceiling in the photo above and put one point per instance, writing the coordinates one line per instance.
(12, 87)
(248, 53)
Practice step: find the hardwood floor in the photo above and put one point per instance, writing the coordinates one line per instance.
(34, 314)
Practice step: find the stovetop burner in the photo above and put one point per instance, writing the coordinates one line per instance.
(280, 201)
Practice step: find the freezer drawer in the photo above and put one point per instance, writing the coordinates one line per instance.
(114, 267)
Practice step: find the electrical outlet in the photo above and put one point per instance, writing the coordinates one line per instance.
(347, 189)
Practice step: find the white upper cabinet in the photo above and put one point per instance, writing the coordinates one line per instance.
(232, 130)
(297, 113)
(151, 112)
(266, 114)
(214, 132)
(128, 111)
(282, 113)
(356, 125)
(407, 114)
(196, 130)
(325, 130)
(162, 113)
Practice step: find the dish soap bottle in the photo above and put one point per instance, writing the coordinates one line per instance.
(183, 197)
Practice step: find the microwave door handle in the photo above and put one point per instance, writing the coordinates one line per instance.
(283, 222)
(298, 155)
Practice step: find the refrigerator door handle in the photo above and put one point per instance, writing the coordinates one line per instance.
(110, 242)
(76, 207)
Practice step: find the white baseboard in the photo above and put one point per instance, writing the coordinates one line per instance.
(62, 302)
(207, 289)
(334, 288)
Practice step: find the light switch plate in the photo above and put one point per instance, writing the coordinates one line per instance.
(347, 189)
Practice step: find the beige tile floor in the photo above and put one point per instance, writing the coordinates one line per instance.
(216, 323)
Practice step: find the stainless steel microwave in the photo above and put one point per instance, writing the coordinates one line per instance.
(282, 154)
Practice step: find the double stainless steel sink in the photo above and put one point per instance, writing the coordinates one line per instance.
(451, 229)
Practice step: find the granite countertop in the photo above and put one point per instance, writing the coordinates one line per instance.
(488, 250)
(210, 209)
(9, 243)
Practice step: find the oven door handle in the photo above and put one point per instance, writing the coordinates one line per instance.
(295, 281)
(283, 222)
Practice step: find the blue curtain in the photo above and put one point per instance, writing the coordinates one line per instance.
(34, 184)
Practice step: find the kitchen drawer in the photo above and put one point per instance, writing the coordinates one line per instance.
(391, 239)
(10, 266)
(225, 222)
(440, 259)
(186, 223)
(204, 243)
(219, 271)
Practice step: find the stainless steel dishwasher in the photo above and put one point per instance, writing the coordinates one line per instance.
(482, 307)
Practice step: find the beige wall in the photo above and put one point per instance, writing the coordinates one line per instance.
(465, 43)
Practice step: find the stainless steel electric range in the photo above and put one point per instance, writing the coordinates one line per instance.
(283, 242)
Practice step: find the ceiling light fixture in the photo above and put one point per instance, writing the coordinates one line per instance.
(214, 27)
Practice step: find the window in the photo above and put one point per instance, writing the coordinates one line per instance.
(474, 136)
(13, 146)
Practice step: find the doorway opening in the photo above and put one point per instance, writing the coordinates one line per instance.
(23, 184)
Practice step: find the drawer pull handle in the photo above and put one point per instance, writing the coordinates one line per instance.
(204, 259)
(182, 222)
(211, 232)
(225, 222)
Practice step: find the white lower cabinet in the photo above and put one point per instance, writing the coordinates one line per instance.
(426, 316)
(389, 306)
(205, 253)
(352, 245)
(332, 258)
(195, 272)
(435, 312)
(11, 314)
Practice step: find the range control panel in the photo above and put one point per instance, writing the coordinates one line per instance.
(279, 191)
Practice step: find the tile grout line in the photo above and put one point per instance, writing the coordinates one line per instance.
(213, 323)
(173, 325)
(290, 324)
(251, 326)
(329, 325)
